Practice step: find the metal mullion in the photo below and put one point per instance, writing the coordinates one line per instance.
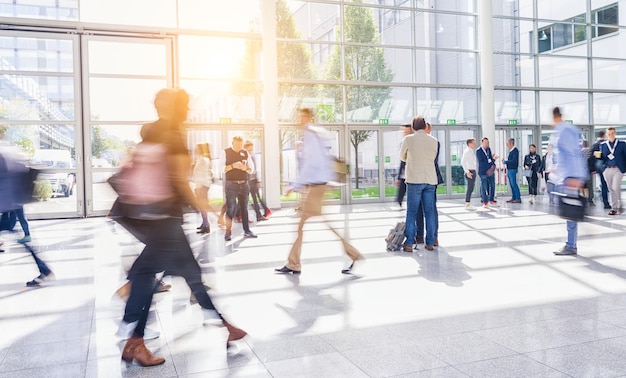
(536, 62)
(250, 81)
(449, 49)
(530, 19)
(35, 122)
(549, 56)
(378, 6)
(83, 58)
(577, 90)
(221, 125)
(414, 74)
(190, 124)
(103, 29)
(378, 84)
(367, 44)
(116, 123)
(36, 73)
(380, 141)
(552, 89)
(590, 84)
(611, 59)
(128, 76)
(307, 41)
(344, 134)
(441, 11)
(359, 44)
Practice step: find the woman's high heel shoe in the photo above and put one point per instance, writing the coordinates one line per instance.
(204, 230)
(135, 349)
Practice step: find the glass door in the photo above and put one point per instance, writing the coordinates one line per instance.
(455, 181)
(364, 182)
(523, 137)
(40, 111)
(392, 141)
(120, 78)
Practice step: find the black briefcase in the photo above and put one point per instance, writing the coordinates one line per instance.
(572, 206)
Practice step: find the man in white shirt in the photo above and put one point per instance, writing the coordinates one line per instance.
(468, 162)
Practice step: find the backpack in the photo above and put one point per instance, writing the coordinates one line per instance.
(396, 237)
(143, 184)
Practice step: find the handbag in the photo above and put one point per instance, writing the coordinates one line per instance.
(491, 170)
(527, 173)
(143, 185)
(572, 206)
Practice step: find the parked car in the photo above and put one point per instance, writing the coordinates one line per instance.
(62, 183)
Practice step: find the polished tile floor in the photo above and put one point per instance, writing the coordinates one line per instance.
(492, 301)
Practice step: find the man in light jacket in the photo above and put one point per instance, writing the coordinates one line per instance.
(419, 151)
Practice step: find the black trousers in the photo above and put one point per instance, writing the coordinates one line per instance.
(256, 198)
(237, 199)
(167, 250)
(471, 183)
(532, 184)
(401, 191)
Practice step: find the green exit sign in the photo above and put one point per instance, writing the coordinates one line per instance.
(451, 122)
(570, 121)
(512, 122)
(226, 121)
(383, 121)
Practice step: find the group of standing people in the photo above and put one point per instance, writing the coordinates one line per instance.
(241, 182)
(481, 163)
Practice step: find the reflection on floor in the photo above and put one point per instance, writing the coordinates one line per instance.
(492, 301)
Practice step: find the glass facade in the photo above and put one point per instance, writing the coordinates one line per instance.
(366, 67)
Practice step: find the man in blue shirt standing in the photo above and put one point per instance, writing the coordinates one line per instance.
(571, 170)
(486, 171)
(512, 163)
(614, 159)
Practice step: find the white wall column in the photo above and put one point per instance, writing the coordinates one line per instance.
(485, 52)
(269, 75)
